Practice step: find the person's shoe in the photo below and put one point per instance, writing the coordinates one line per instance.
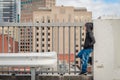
(83, 73)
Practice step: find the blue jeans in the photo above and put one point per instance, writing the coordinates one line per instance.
(84, 56)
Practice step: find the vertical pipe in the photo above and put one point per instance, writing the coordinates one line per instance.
(19, 35)
(30, 34)
(19, 41)
(41, 41)
(8, 44)
(64, 47)
(24, 39)
(69, 46)
(52, 39)
(25, 42)
(47, 39)
(35, 38)
(30, 40)
(2, 43)
(33, 71)
(2, 39)
(75, 48)
(58, 50)
(80, 42)
(13, 39)
(8, 39)
(80, 37)
(52, 44)
(41, 38)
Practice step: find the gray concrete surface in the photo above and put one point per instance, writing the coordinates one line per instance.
(69, 77)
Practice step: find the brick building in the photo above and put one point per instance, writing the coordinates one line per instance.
(9, 46)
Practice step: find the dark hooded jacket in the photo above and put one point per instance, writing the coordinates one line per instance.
(89, 40)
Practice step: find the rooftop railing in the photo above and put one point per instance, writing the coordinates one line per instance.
(63, 38)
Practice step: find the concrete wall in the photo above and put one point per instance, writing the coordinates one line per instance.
(106, 52)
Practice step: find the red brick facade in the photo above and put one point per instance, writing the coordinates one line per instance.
(13, 45)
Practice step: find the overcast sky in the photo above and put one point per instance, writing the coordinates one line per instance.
(98, 7)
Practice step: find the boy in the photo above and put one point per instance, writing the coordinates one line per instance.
(87, 47)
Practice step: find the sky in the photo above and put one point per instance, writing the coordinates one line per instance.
(98, 7)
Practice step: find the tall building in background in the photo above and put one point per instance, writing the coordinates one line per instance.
(61, 14)
(27, 8)
(45, 11)
(9, 10)
(46, 39)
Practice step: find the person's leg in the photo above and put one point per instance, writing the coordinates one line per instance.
(85, 57)
(80, 54)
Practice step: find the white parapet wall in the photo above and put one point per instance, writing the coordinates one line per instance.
(46, 59)
(107, 49)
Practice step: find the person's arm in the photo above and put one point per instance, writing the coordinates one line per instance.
(92, 38)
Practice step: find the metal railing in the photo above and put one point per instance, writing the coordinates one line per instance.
(64, 38)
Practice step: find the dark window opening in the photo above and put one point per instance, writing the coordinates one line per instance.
(37, 39)
(42, 50)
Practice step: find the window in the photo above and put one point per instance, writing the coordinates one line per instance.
(48, 50)
(48, 39)
(29, 33)
(48, 28)
(76, 51)
(82, 39)
(43, 28)
(37, 39)
(42, 50)
(28, 29)
(48, 34)
(43, 34)
(48, 45)
(43, 39)
(37, 50)
(48, 21)
(76, 45)
(43, 45)
(37, 28)
(37, 45)
(82, 34)
(37, 21)
(37, 34)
